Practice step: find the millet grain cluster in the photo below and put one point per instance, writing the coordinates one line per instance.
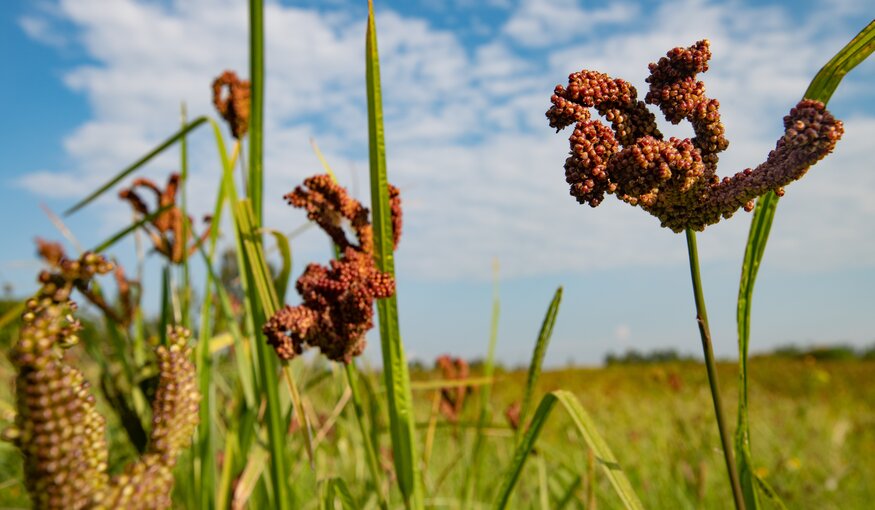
(232, 105)
(675, 179)
(58, 429)
(338, 300)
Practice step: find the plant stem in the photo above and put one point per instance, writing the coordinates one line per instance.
(370, 453)
(705, 332)
(255, 183)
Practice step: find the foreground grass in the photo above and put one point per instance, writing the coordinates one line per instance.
(813, 434)
(813, 429)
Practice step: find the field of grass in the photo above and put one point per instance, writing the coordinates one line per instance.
(814, 436)
(211, 405)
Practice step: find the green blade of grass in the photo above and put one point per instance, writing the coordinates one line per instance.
(137, 164)
(228, 460)
(335, 488)
(591, 436)
(186, 225)
(118, 236)
(821, 89)
(394, 363)
(281, 282)
(256, 107)
(352, 377)
(568, 493)
(166, 307)
(267, 370)
(484, 416)
(245, 367)
(209, 416)
(257, 265)
(828, 78)
(538, 356)
(322, 160)
(12, 314)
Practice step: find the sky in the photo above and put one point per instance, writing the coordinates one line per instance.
(93, 85)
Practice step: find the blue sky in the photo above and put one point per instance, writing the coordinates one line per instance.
(93, 85)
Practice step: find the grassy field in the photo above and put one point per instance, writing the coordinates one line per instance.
(813, 436)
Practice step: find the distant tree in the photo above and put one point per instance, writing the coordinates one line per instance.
(633, 356)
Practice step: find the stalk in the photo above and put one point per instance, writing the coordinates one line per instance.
(371, 455)
(705, 332)
(395, 373)
(256, 107)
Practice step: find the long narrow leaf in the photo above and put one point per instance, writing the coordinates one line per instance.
(118, 236)
(140, 162)
(352, 377)
(590, 435)
(821, 88)
(394, 362)
(256, 107)
(281, 282)
(335, 488)
(538, 355)
(484, 416)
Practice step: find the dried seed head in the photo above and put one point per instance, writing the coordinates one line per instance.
(166, 229)
(233, 106)
(453, 398)
(338, 300)
(675, 180)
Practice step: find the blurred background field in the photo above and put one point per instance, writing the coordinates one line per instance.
(813, 431)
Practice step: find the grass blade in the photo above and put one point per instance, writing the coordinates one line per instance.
(352, 377)
(118, 236)
(12, 314)
(140, 162)
(538, 356)
(322, 160)
(256, 107)
(334, 488)
(605, 458)
(591, 436)
(485, 393)
(828, 78)
(394, 362)
(281, 282)
(821, 88)
(525, 446)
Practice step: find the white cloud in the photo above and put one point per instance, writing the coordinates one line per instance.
(39, 29)
(480, 171)
(541, 23)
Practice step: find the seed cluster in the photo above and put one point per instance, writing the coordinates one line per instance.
(144, 484)
(69, 274)
(58, 428)
(233, 107)
(453, 398)
(338, 300)
(675, 179)
(167, 228)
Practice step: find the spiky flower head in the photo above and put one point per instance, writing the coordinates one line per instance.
(337, 301)
(675, 180)
(58, 429)
(232, 105)
(65, 274)
(167, 227)
(453, 398)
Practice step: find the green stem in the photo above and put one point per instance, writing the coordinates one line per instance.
(256, 106)
(370, 453)
(705, 332)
